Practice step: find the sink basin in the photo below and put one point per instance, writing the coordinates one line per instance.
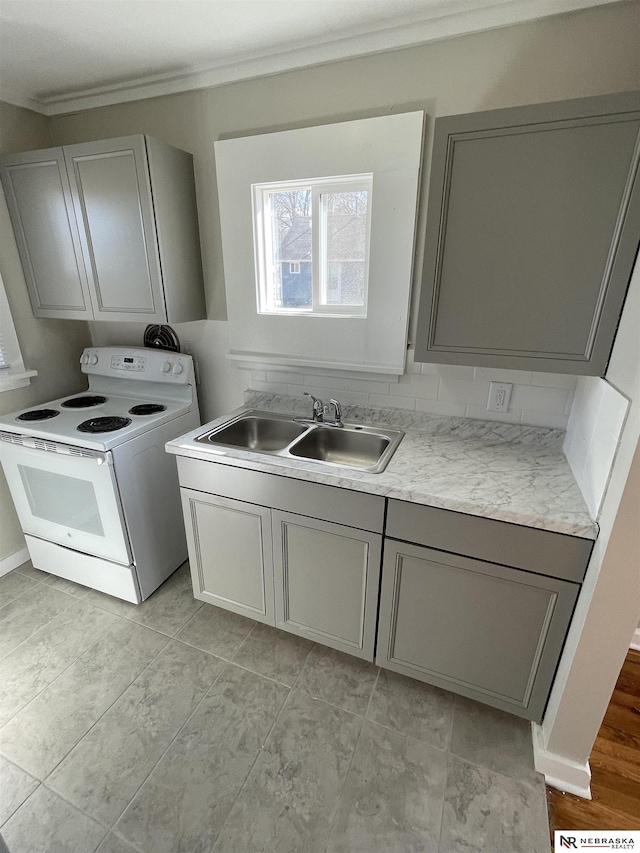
(350, 446)
(262, 434)
(365, 448)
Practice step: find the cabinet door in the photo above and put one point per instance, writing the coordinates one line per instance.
(486, 631)
(532, 234)
(41, 209)
(112, 196)
(230, 553)
(326, 581)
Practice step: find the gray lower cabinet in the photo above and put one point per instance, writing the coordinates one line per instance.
(108, 230)
(308, 574)
(230, 553)
(490, 632)
(326, 582)
(532, 234)
(473, 605)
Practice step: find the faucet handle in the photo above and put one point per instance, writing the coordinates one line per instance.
(318, 406)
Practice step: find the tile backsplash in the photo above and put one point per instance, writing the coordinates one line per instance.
(538, 399)
(593, 434)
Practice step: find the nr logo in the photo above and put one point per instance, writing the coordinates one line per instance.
(568, 841)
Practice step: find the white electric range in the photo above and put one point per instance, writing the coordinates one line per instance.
(96, 494)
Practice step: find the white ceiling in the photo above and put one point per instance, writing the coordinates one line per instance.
(61, 55)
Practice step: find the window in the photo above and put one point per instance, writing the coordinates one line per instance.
(12, 372)
(311, 242)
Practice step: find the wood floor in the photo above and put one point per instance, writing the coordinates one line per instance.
(615, 765)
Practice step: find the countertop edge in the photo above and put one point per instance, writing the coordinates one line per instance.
(347, 479)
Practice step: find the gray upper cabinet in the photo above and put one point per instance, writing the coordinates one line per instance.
(108, 230)
(41, 208)
(532, 233)
(112, 178)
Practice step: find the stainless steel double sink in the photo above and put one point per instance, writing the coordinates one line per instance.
(365, 448)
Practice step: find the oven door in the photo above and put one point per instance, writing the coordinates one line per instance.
(67, 495)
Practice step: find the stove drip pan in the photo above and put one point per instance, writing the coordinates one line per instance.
(38, 415)
(147, 409)
(107, 424)
(84, 402)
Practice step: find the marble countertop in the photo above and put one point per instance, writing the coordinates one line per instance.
(507, 472)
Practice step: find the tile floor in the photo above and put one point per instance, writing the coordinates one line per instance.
(176, 726)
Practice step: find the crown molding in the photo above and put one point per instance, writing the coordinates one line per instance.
(312, 52)
(19, 98)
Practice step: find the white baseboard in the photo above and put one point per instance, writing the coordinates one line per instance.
(8, 564)
(559, 772)
(635, 641)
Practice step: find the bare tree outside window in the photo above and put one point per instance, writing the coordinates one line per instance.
(289, 206)
(291, 240)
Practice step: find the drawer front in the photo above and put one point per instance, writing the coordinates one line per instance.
(343, 506)
(541, 551)
(489, 632)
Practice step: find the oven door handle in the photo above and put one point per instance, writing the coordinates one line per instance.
(35, 445)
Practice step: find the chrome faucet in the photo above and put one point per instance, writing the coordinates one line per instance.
(318, 408)
(337, 420)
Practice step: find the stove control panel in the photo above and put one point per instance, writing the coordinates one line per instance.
(147, 365)
(127, 362)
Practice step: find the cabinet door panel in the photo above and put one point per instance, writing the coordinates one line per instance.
(41, 209)
(532, 234)
(112, 193)
(230, 554)
(489, 632)
(326, 579)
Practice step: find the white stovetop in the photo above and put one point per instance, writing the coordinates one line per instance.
(126, 376)
(507, 472)
(64, 427)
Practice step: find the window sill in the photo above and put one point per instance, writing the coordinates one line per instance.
(10, 381)
(292, 312)
(266, 361)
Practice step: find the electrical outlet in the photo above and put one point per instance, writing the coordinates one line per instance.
(499, 397)
(188, 347)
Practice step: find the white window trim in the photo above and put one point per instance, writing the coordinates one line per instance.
(263, 245)
(389, 147)
(12, 370)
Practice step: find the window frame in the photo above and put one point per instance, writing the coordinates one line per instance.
(264, 250)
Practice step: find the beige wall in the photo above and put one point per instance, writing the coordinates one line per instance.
(52, 347)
